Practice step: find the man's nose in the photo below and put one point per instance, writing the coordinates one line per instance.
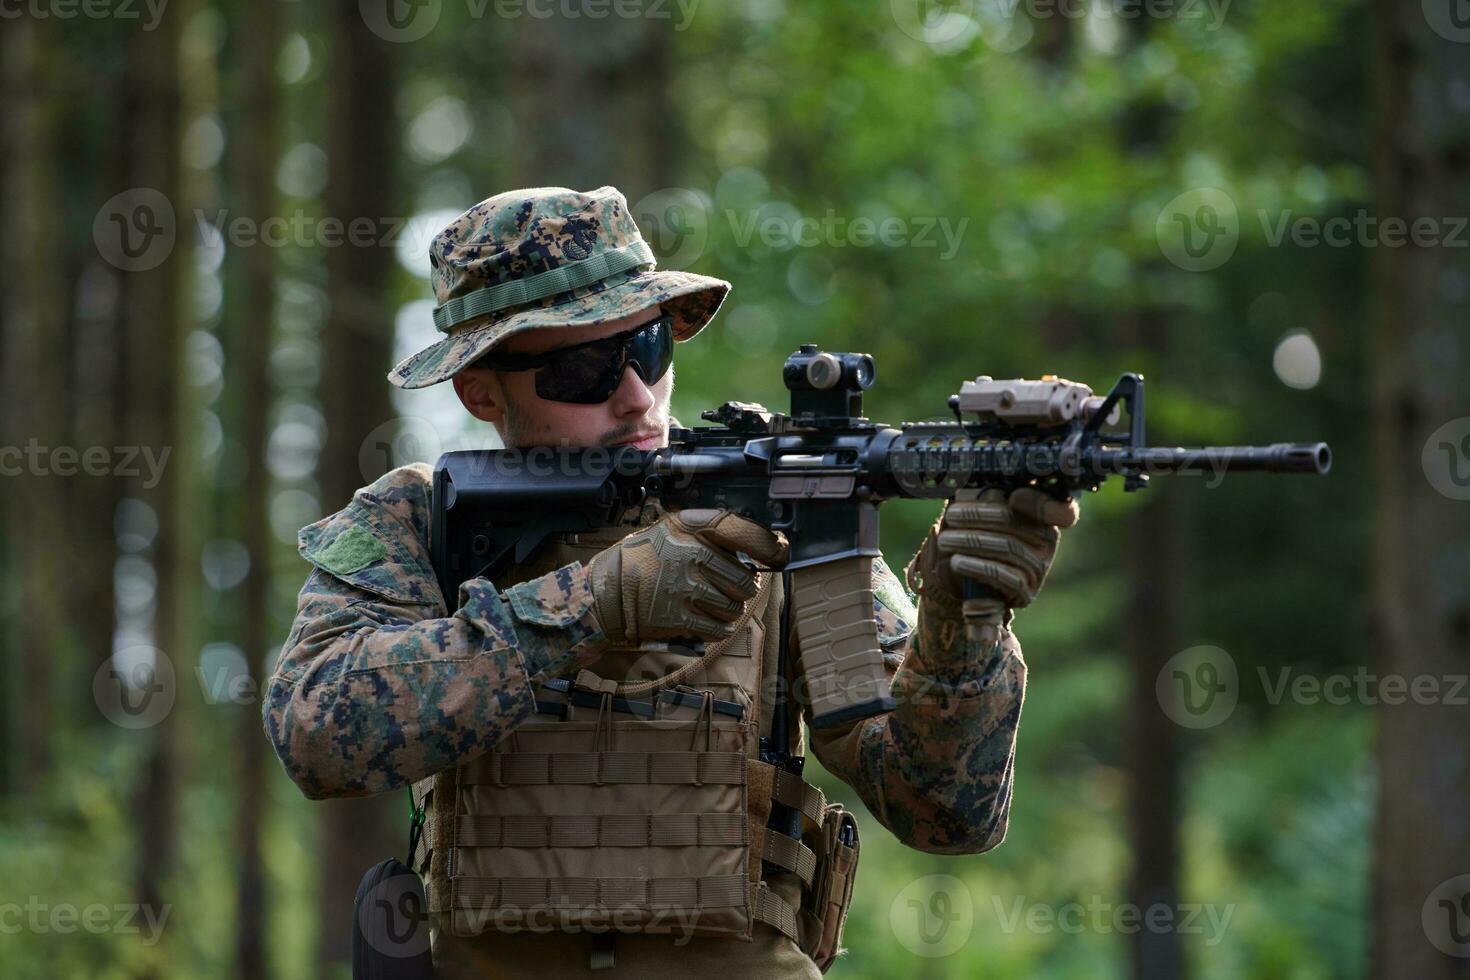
(632, 396)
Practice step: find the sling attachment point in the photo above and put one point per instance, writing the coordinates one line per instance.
(705, 719)
(604, 951)
(768, 907)
(587, 699)
(416, 815)
(590, 681)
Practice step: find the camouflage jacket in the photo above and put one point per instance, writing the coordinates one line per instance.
(380, 685)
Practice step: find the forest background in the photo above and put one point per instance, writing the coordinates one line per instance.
(216, 215)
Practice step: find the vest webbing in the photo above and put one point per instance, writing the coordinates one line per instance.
(601, 894)
(795, 792)
(605, 830)
(791, 854)
(602, 768)
(768, 907)
(671, 847)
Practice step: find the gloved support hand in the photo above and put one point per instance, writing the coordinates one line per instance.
(1005, 543)
(679, 577)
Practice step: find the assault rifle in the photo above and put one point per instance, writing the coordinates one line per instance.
(818, 475)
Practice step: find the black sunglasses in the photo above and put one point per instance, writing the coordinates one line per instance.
(588, 373)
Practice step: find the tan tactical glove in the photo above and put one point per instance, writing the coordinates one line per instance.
(1005, 543)
(679, 577)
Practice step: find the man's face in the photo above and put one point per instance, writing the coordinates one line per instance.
(635, 412)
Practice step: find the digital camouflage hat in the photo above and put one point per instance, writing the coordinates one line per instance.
(545, 257)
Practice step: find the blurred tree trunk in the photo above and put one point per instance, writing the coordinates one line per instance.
(357, 348)
(35, 298)
(1159, 551)
(1153, 738)
(95, 385)
(102, 393)
(13, 60)
(153, 348)
(1157, 555)
(256, 151)
(94, 370)
(1421, 583)
(628, 136)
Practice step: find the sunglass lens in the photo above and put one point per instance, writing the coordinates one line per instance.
(590, 374)
(585, 376)
(652, 349)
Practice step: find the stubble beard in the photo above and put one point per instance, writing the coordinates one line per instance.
(520, 427)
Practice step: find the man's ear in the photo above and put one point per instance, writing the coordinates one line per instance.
(481, 393)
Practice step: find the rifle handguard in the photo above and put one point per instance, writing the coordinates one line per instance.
(841, 661)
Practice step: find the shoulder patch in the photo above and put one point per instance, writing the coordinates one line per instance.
(367, 546)
(893, 608)
(888, 590)
(352, 550)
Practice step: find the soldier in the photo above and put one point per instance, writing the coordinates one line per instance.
(554, 827)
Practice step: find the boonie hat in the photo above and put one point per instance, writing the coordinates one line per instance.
(545, 257)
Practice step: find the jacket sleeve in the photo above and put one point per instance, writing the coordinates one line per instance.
(938, 769)
(379, 686)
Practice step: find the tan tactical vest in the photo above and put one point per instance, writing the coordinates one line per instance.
(588, 818)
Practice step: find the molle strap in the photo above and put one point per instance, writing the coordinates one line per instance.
(792, 790)
(599, 768)
(647, 894)
(439, 838)
(767, 782)
(758, 808)
(789, 853)
(591, 682)
(768, 907)
(760, 778)
(605, 830)
(705, 720)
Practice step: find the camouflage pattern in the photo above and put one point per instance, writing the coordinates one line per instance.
(525, 232)
(937, 770)
(379, 686)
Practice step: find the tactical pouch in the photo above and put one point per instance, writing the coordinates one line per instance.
(390, 916)
(390, 925)
(825, 905)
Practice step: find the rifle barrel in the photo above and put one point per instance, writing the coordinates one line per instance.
(1281, 457)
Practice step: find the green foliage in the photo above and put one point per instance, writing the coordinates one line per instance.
(1049, 164)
